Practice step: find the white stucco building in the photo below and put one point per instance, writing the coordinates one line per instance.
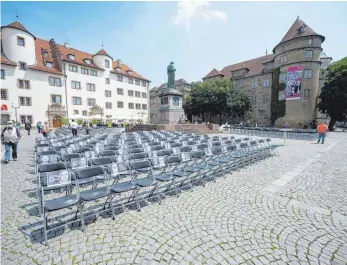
(45, 81)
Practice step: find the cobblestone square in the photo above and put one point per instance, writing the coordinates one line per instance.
(287, 209)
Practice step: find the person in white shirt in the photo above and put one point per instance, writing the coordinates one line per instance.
(74, 127)
(10, 137)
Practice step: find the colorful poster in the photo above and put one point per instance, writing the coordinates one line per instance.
(293, 89)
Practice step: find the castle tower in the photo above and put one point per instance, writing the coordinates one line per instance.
(298, 56)
(103, 60)
(18, 44)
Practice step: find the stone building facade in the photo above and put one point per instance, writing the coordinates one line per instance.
(302, 67)
(154, 101)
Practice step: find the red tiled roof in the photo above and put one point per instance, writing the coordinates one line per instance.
(294, 32)
(103, 52)
(214, 72)
(124, 69)
(17, 25)
(4, 60)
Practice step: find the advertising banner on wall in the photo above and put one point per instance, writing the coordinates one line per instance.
(293, 89)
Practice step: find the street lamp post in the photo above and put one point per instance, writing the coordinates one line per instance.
(15, 110)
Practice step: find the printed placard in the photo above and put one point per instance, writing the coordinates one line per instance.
(185, 156)
(57, 178)
(78, 162)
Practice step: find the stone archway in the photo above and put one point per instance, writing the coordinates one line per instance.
(56, 122)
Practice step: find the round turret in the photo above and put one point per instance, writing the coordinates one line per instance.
(18, 43)
(103, 60)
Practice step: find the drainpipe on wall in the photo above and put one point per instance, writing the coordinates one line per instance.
(67, 107)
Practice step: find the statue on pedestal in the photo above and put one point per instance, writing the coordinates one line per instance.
(171, 76)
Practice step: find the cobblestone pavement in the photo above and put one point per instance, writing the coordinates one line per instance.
(230, 221)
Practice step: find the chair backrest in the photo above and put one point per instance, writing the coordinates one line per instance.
(252, 143)
(216, 143)
(186, 149)
(42, 147)
(243, 145)
(68, 157)
(101, 161)
(82, 150)
(143, 164)
(228, 148)
(48, 158)
(51, 167)
(133, 146)
(119, 168)
(138, 156)
(175, 145)
(90, 172)
(108, 153)
(157, 147)
(174, 159)
(78, 162)
(135, 150)
(186, 156)
(216, 150)
(245, 139)
(89, 154)
(111, 147)
(226, 142)
(198, 154)
(237, 140)
(164, 152)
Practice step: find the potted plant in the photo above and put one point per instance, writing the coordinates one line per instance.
(94, 123)
(65, 122)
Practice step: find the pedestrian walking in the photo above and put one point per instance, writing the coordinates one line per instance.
(45, 130)
(74, 126)
(27, 127)
(322, 131)
(39, 127)
(10, 137)
(88, 128)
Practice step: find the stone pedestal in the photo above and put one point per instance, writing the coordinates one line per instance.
(170, 110)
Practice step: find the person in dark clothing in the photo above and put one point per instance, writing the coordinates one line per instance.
(27, 127)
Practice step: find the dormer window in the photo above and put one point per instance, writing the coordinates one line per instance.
(71, 57)
(117, 69)
(49, 64)
(302, 29)
(129, 72)
(44, 52)
(87, 61)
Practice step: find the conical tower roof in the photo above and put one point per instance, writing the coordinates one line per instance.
(103, 52)
(299, 29)
(18, 25)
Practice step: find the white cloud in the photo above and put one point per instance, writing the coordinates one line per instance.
(194, 10)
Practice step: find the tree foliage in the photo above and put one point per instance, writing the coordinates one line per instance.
(333, 97)
(216, 97)
(278, 107)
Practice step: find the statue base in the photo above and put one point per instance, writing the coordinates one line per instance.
(170, 110)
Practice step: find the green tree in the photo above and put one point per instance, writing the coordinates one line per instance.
(333, 98)
(278, 107)
(238, 104)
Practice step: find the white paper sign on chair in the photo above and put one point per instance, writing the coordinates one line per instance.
(57, 178)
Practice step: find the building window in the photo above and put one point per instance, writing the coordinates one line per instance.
(129, 72)
(75, 85)
(130, 81)
(23, 83)
(266, 82)
(108, 105)
(4, 94)
(107, 64)
(22, 66)
(56, 99)
(108, 93)
(120, 91)
(308, 74)
(84, 113)
(144, 83)
(20, 41)
(87, 61)
(284, 48)
(44, 52)
(84, 71)
(73, 68)
(93, 73)
(302, 29)
(76, 101)
(119, 78)
(49, 64)
(144, 106)
(130, 93)
(117, 69)
(137, 82)
(107, 80)
(310, 41)
(144, 95)
(309, 54)
(91, 101)
(76, 112)
(71, 57)
(120, 104)
(138, 106)
(54, 81)
(131, 105)
(26, 118)
(2, 74)
(137, 94)
(24, 101)
(283, 77)
(254, 84)
(90, 87)
(283, 58)
(307, 93)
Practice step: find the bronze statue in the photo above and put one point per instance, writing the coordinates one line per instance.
(171, 76)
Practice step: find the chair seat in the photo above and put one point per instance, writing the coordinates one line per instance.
(225, 159)
(215, 163)
(143, 169)
(94, 194)
(180, 173)
(192, 169)
(165, 177)
(204, 166)
(123, 187)
(61, 203)
(146, 182)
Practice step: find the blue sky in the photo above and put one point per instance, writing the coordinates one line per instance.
(197, 36)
